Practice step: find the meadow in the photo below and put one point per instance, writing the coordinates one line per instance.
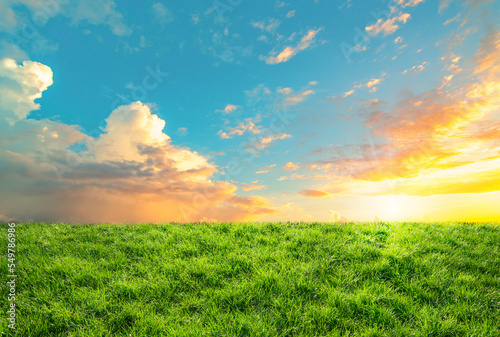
(255, 279)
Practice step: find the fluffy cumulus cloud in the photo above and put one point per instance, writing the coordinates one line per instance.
(130, 172)
(20, 86)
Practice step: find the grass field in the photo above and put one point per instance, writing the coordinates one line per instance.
(269, 279)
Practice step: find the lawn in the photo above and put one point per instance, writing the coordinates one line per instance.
(255, 279)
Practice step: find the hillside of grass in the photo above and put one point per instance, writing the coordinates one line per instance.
(255, 279)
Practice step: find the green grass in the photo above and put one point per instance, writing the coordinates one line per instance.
(270, 279)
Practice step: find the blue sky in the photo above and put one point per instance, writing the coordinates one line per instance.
(218, 75)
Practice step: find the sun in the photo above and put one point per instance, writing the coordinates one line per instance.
(394, 208)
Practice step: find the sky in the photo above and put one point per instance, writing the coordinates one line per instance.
(237, 110)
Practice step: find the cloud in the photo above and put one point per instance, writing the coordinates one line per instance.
(13, 51)
(442, 141)
(289, 52)
(285, 91)
(315, 193)
(290, 14)
(296, 176)
(130, 172)
(298, 98)
(94, 12)
(348, 93)
(162, 14)
(254, 187)
(337, 217)
(453, 19)
(291, 167)
(248, 125)
(230, 108)
(372, 85)
(214, 153)
(473, 3)
(415, 69)
(270, 26)
(260, 92)
(487, 58)
(373, 82)
(98, 12)
(182, 131)
(389, 25)
(408, 3)
(266, 141)
(265, 169)
(291, 207)
(20, 86)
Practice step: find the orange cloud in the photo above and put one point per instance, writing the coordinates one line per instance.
(230, 108)
(253, 187)
(389, 25)
(291, 167)
(438, 142)
(265, 169)
(315, 193)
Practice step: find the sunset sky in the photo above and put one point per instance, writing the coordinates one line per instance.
(238, 110)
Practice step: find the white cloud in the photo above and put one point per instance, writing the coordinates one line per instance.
(289, 51)
(269, 26)
(162, 14)
(182, 131)
(32, 78)
(95, 12)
